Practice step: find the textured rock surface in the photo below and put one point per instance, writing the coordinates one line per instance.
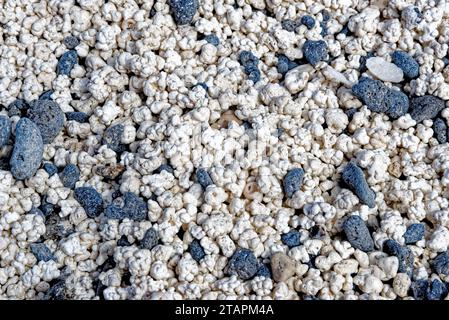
(28, 150)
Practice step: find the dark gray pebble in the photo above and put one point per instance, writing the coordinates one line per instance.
(48, 116)
(354, 178)
(243, 264)
(425, 107)
(90, 200)
(293, 181)
(358, 234)
(28, 150)
(5, 130)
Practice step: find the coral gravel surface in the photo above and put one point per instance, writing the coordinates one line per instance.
(228, 149)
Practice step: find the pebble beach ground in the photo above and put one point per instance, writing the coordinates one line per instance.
(228, 149)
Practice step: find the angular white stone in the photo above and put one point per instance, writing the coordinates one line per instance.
(384, 70)
(336, 76)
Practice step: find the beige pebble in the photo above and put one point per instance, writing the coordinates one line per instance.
(282, 266)
(401, 284)
(395, 169)
(109, 171)
(226, 118)
(250, 189)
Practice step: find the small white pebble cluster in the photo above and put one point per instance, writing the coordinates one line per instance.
(190, 104)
